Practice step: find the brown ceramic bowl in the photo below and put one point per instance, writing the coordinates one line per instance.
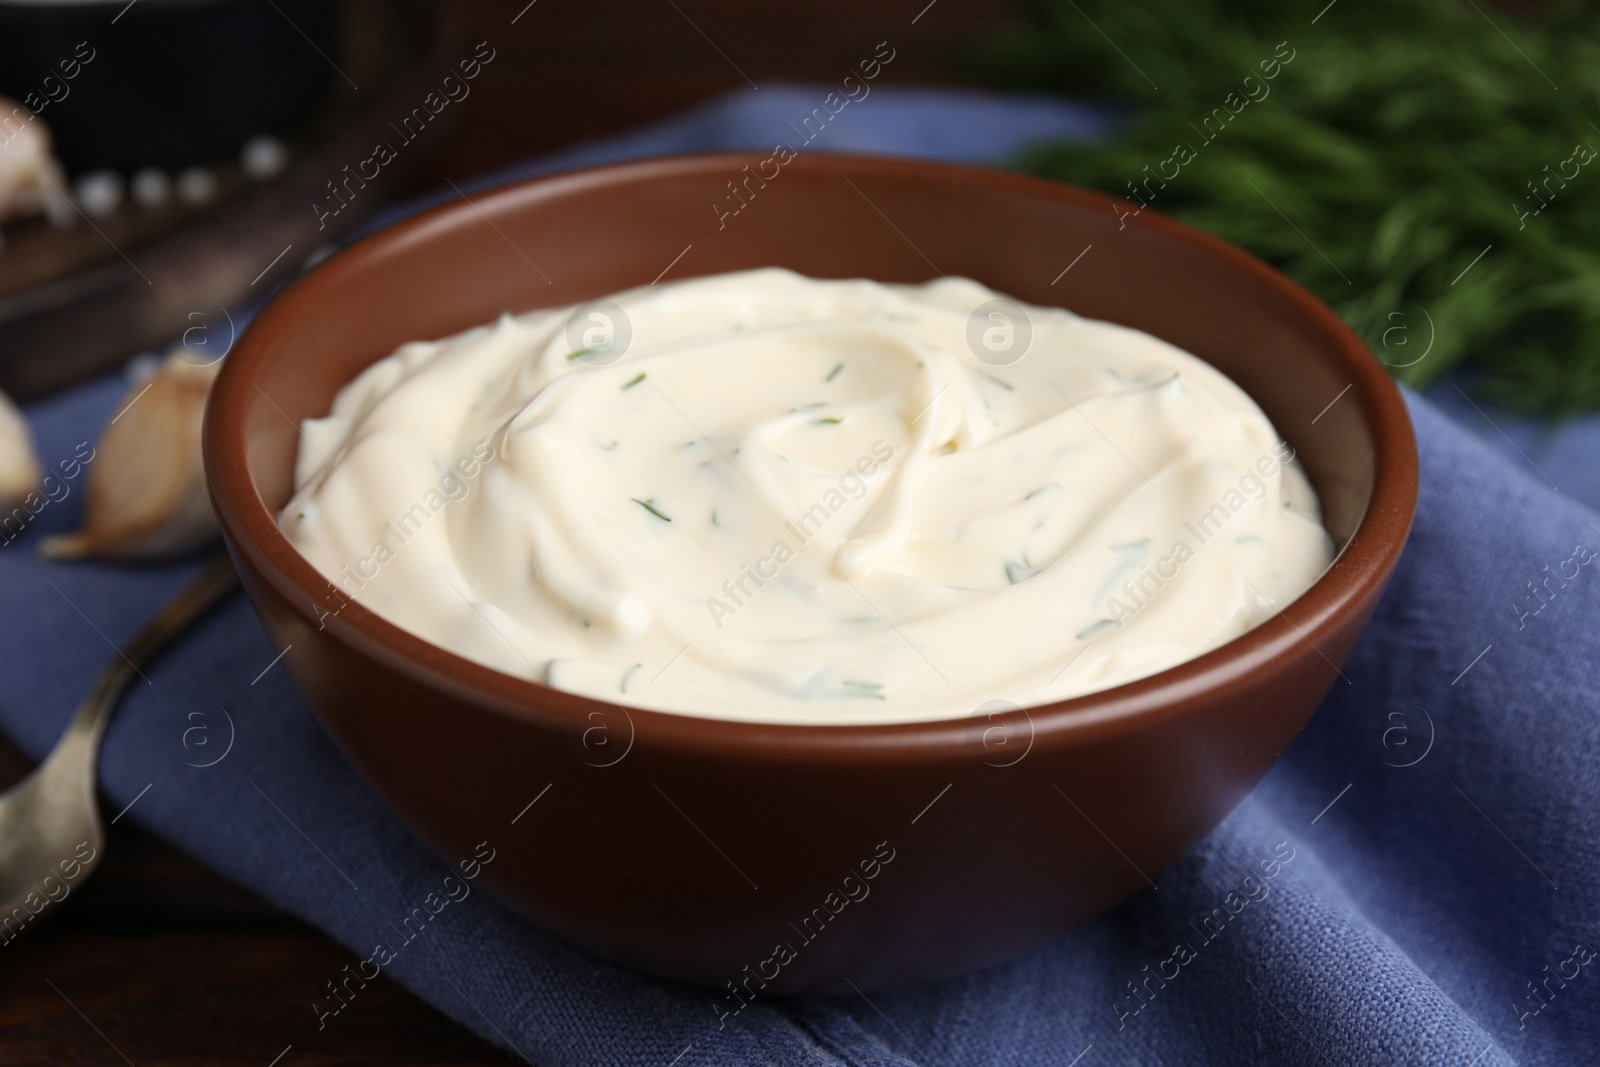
(694, 848)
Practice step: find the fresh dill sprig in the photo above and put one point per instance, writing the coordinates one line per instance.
(1435, 187)
(650, 506)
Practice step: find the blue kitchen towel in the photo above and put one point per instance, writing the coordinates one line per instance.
(1416, 882)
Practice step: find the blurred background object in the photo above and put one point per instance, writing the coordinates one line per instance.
(191, 140)
(1420, 165)
(198, 136)
(19, 466)
(31, 177)
(176, 83)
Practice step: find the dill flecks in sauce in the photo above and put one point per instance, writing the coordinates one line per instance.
(783, 499)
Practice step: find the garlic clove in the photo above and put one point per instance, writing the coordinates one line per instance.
(31, 180)
(147, 488)
(19, 466)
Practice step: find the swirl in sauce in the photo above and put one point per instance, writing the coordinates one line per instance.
(807, 501)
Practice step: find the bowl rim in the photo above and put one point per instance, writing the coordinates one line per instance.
(1355, 576)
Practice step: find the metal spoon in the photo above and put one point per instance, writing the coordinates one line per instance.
(49, 816)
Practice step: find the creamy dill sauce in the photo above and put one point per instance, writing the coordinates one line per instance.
(761, 496)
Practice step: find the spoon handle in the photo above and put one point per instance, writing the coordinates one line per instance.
(206, 588)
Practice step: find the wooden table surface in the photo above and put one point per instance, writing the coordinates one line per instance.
(157, 960)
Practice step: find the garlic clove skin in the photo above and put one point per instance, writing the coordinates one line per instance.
(146, 495)
(31, 180)
(19, 465)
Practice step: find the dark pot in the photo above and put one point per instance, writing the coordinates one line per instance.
(166, 83)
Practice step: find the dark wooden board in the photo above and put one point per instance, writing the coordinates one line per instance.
(159, 960)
